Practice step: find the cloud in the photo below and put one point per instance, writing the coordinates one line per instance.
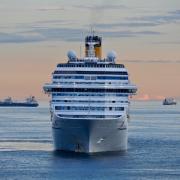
(144, 21)
(117, 34)
(50, 30)
(170, 17)
(19, 38)
(42, 34)
(168, 42)
(63, 34)
(100, 7)
(49, 24)
(153, 61)
(51, 9)
(62, 22)
(177, 12)
(125, 24)
(97, 11)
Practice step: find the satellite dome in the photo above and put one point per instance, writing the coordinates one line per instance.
(111, 56)
(72, 55)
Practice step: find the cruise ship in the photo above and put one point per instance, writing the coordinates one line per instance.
(90, 101)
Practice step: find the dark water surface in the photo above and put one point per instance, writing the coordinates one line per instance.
(26, 150)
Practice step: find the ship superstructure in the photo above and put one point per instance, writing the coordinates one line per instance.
(90, 101)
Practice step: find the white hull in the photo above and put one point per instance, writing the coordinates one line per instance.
(90, 136)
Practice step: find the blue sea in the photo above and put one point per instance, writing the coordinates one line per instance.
(26, 148)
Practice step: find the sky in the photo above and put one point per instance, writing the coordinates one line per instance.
(35, 35)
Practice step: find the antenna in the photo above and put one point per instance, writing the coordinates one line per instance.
(92, 31)
(80, 51)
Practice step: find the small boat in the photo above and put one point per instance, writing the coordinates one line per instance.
(169, 101)
(29, 102)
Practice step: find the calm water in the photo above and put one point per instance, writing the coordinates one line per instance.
(26, 150)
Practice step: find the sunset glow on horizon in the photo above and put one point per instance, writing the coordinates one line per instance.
(35, 36)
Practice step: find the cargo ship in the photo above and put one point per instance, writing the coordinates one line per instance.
(29, 102)
(169, 101)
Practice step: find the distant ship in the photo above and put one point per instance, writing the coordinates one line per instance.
(169, 101)
(29, 102)
(90, 101)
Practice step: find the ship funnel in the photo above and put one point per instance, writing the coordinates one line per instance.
(96, 42)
